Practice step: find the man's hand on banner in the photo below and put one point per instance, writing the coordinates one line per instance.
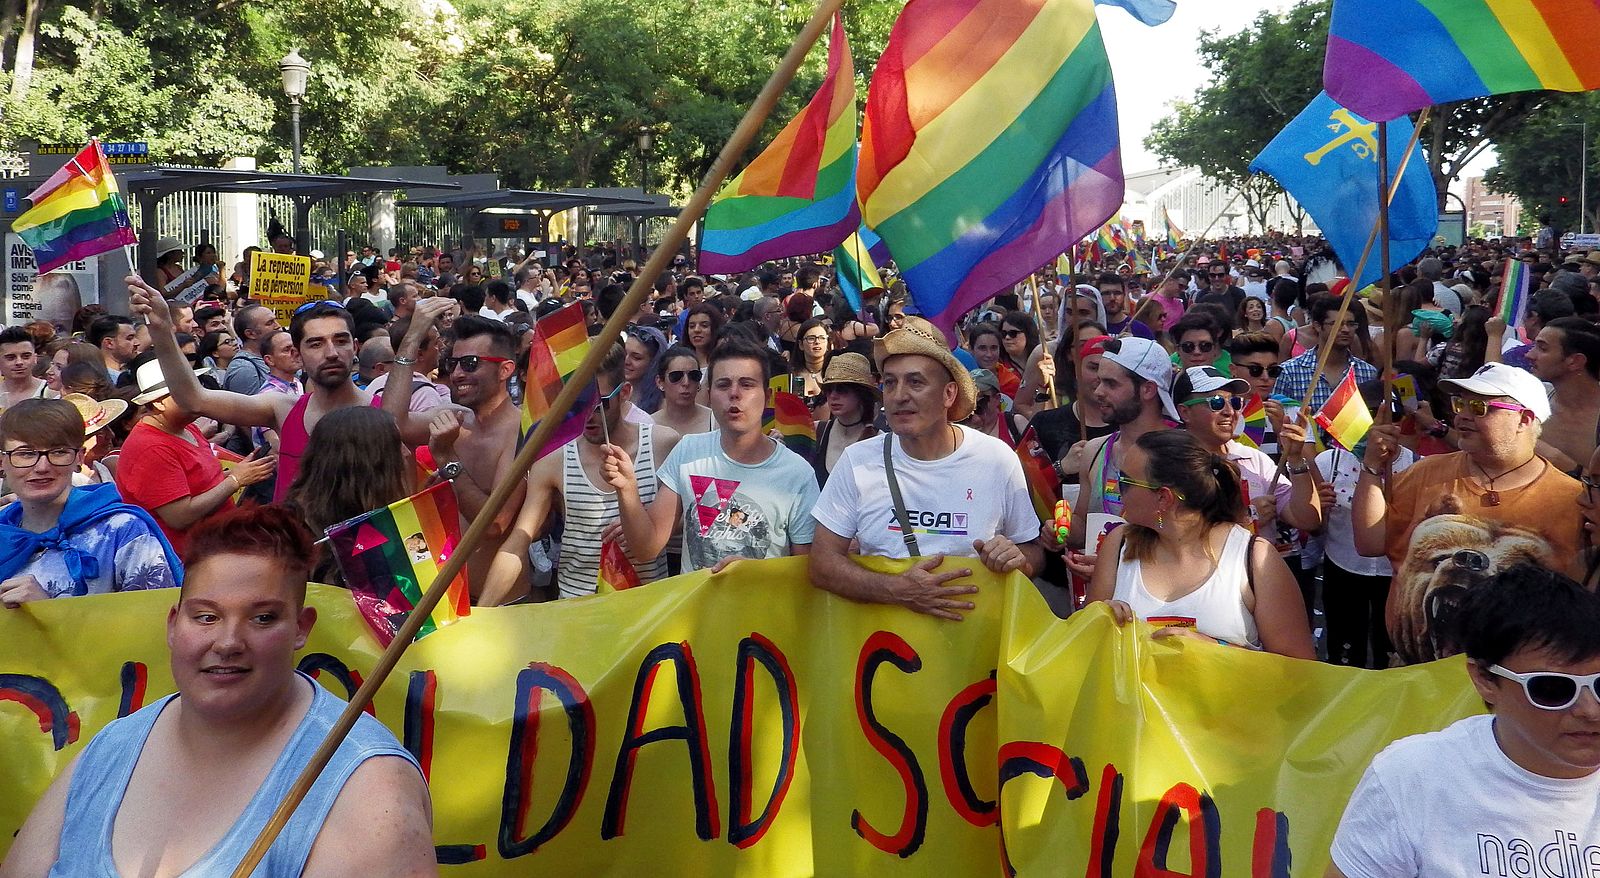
(18, 590)
(923, 590)
(1000, 554)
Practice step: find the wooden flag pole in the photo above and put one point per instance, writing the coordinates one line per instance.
(741, 138)
(1326, 347)
(1044, 344)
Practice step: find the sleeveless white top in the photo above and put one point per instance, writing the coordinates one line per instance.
(1216, 608)
(589, 510)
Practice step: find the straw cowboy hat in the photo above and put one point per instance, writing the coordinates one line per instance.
(96, 413)
(918, 336)
(850, 368)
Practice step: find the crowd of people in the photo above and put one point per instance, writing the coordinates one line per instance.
(1175, 408)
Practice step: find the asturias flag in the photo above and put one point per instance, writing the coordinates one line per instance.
(1327, 158)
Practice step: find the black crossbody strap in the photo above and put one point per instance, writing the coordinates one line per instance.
(899, 502)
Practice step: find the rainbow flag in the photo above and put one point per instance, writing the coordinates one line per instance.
(560, 342)
(798, 195)
(1345, 415)
(1515, 290)
(1387, 58)
(77, 213)
(1174, 234)
(854, 270)
(1106, 240)
(792, 419)
(616, 571)
(1044, 486)
(1252, 423)
(989, 144)
(389, 556)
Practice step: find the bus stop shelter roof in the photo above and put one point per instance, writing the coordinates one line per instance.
(160, 181)
(520, 199)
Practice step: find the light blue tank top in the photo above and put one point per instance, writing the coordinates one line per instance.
(107, 764)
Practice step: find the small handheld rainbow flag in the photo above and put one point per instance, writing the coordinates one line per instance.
(389, 556)
(77, 213)
(1044, 486)
(616, 571)
(1252, 430)
(1515, 284)
(560, 342)
(1174, 234)
(1345, 415)
(791, 417)
(854, 269)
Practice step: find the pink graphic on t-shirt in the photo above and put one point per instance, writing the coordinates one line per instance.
(711, 496)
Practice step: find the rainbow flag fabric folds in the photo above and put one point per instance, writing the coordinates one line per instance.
(1044, 486)
(1387, 58)
(1252, 423)
(854, 269)
(616, 571)
(1345, 416)
(798, 196)
(989, 144)
(791, 417)
(77, 213)
(1515, 288)
(560, 342)
(390, 556)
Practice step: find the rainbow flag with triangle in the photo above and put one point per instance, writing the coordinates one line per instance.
(77, 213)
(1345, 415)
(389, 557)
(1387, 58)
(989, 144)
(798, 196)
(560, 342)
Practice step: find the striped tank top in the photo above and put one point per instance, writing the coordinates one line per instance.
(590, 510)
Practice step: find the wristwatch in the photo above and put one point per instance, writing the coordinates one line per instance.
(1298, 469)
(450, 470)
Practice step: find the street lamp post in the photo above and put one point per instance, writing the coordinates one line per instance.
(295, 70)
(647, 139)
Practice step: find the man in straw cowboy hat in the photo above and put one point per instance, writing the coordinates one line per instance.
(959, 492)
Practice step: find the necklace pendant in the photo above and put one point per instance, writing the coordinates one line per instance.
(1491, 498)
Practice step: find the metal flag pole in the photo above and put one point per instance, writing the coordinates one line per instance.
(741, 138)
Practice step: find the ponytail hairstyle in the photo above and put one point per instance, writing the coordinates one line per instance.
(1204, 482)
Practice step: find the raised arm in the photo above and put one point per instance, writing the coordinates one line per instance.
(397, 389)
(263, 410)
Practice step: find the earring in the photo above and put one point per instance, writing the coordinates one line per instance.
(1161, 521)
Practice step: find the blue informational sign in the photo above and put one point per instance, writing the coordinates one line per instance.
(13, 201)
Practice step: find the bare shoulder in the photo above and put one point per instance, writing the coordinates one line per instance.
(381, 824)
(665, 439)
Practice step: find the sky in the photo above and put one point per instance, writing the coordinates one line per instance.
(1154, 66)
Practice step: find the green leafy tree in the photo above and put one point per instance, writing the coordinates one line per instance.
(1539, 162)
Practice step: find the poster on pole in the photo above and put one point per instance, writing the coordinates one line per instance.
(278, 281)
(55, 297)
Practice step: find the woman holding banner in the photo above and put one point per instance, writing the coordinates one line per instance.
(1183, 561)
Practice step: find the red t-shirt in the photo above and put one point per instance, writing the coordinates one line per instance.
(157, 468)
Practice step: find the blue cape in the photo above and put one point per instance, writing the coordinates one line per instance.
(86, 506)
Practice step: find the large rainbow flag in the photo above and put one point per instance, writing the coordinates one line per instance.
(989, 144)
(390, 556)
(798, 196)
(77, 213)
(560, 342)
(1387, 58)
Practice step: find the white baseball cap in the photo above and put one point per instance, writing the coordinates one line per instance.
(1499, 379)
(1149, 361)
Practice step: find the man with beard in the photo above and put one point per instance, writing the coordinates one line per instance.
(1114, 296)
(1132, 396)
(323, 333)
(575, 480)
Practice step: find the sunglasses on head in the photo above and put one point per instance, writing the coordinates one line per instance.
(1255, 369)
(1203, 347)
(1551, 690)
(469, 363)
(309, 305)
(676, 375)
(1480, 407)
(1219, 402)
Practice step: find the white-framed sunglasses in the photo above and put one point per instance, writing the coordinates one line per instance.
(1551, 690)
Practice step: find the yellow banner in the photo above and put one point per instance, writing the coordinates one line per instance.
(279, 281)
(748, 724)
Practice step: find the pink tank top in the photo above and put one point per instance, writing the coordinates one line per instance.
(292, 442)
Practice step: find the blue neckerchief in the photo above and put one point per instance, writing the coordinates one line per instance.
(86, 506)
